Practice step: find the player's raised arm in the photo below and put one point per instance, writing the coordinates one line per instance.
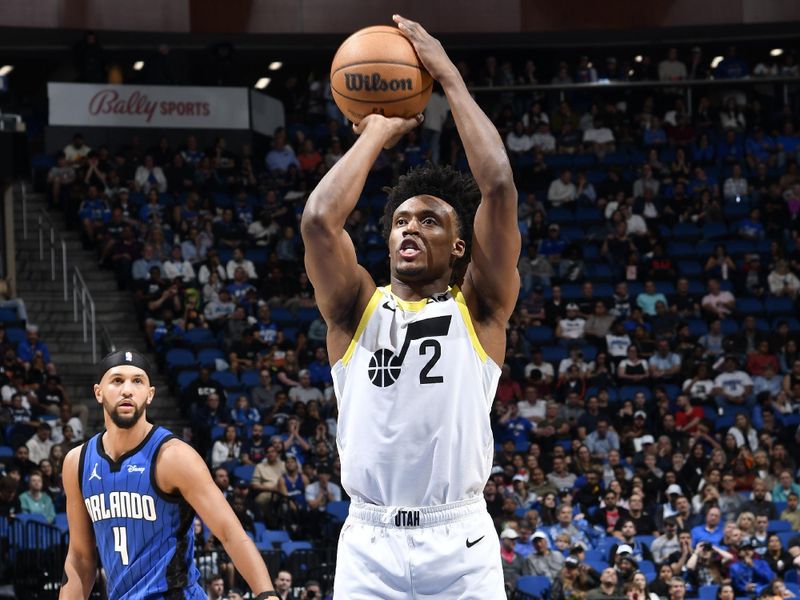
(80, 567)
(340, 283)
(181, 470)
(496, 239)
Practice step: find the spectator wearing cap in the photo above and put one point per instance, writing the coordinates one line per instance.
(570, 329)
(572, 581)
(553, 246)
(305, 392)
(564, 525)
(543, 561)
(625, 565)
(562, 190)
(513, 563)
(750, 575)
(609, 586)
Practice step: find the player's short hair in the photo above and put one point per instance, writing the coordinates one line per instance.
(457, 189)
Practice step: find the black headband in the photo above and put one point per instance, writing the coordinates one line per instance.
(123, 357)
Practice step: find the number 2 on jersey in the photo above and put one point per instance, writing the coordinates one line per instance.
(121, 543)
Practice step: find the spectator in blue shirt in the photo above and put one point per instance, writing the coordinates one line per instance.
(665, 365)
(751, 228)
(729, 149)
(514, 427)
(244, 415)
(731, 67)
(750, 575)
(282, 156)
(788, 142)
(94, 213)
(28, 348)
(703, 151)
(320, 369)
(710, 531)
(602, 440)
(760, 147)
(552, 247)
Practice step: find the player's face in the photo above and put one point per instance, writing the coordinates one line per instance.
(424, 242)
(125, 392)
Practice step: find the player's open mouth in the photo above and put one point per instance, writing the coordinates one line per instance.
(409, 248)
(126, 404)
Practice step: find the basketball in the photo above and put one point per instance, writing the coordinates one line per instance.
(376, 70)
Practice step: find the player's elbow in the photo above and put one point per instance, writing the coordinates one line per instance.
(499, 180)
(315, 222)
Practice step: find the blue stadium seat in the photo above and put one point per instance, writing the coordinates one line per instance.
(15, 335)
(226, 379)
(275, 536)
(572, 233)
(539, 335)
(587, 215)
(281, 315)
(207, 357)
(185, 378)
(776, 306)
(537, 586)
(680, 250)
(729, 326)
(690, 268)
(665, 287)
(749, 307)
(598, 272)
(250, 378)
(686, 231)
(571, 291)
(600, 555)
(779, 525)
(707, 592)
(8, 314)
(179, 358)
(61, 521)
(697, 327)
(554, 354)
(628, 392)
(288, 547)
(6, 452)
(307, 315)
(560, 215)
(785, 537)
(244, 472)
(603, 290)
(198, 336)
(338, 510)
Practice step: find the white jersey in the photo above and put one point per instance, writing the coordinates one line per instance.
(415, 388)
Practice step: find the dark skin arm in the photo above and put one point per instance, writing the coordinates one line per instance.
(491, 283)
(180, 470)
(342, 286)
(80, 567)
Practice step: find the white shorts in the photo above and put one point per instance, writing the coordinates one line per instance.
(444, 552)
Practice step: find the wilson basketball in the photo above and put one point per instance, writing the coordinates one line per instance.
(376, 70)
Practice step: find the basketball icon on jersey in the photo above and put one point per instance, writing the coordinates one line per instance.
(384, 367)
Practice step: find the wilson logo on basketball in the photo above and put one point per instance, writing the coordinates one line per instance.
(357, 82)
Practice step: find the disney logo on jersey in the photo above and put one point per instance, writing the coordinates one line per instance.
(135, 469)
(385, 367)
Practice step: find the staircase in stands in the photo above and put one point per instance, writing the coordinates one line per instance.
(54, 317)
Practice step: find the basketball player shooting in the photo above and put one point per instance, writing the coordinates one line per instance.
(132, 493)
(415, 363)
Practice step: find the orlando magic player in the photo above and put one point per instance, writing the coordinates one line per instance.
(132, 492)
(415, 363)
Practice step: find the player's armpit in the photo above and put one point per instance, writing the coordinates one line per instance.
(80, 567)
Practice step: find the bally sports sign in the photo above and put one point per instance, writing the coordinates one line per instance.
(93, 105)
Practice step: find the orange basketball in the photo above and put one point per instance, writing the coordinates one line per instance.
(376, 70)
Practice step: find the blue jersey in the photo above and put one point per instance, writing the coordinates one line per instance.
(145, 537)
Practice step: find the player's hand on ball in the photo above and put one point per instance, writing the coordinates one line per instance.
(393, 128)
(429, 49)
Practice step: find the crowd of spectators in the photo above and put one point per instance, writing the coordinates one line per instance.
(647, 414)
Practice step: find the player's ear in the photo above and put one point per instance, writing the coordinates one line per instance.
(459, 248)
(151, 395)
(98, 394)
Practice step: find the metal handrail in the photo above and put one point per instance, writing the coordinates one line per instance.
(108, 343)
(79, 288)
(689, 84)
(45, 222)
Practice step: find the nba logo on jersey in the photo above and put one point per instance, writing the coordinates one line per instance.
(129, 357)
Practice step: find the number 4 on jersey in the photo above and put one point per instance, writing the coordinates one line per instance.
(121, 543)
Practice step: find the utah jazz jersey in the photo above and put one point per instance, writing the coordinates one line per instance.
(415, 389)
(145, 537)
